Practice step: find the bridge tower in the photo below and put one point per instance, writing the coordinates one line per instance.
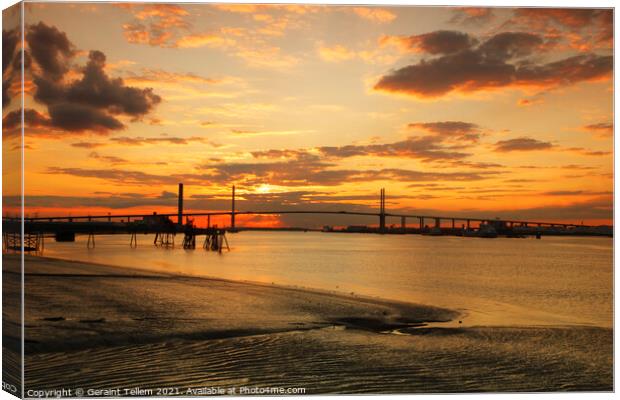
(382, 212)
(180, 215)
(232, 212)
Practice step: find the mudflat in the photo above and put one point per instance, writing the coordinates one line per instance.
(100, 327)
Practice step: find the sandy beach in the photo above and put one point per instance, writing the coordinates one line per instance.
(101, 327)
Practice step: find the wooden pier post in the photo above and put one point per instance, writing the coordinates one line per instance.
(90, 244)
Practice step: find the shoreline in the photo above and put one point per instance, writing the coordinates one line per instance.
(296, 309)
(305, 289)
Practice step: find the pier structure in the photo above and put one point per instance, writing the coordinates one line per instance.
(167, 226)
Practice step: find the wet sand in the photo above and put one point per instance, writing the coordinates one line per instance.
(95, 326)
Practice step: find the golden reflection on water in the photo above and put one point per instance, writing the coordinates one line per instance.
(553, 281)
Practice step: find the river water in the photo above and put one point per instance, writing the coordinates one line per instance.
(493, 282)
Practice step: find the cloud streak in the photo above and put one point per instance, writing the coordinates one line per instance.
(521, 144)
(601, 129)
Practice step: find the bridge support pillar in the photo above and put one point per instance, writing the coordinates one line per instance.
(382, 212)
(403, 223)
(437, 222)
(180, 208)
(421, 223)
(453, 223)
(232, 212)
(468, 224)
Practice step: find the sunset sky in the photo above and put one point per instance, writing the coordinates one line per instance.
(455, 111)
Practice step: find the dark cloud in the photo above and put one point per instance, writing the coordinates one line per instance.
(124, 177)
(510, 45)
(499, 62)
(140, 141)
(521, 144)
(50, 49)
(11, 122)
(568, 71)
(32, 118)
(107, 159)
(466, 131)
(10, 41)
(470, 164)
(88, 145)
(284, 173)
(112, 201)
(75, 117)
(439, 42)
(425, 148)
(306, 173)
(93, 102)
(284, 154)
(98, 90)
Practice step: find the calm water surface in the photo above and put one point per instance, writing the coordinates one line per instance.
(553, 281)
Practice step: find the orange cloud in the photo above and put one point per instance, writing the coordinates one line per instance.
(336, 53)
(472, 15)
(203, 40)
(374, 14)
(529, 102)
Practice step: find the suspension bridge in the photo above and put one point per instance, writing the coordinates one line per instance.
(166, 225)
